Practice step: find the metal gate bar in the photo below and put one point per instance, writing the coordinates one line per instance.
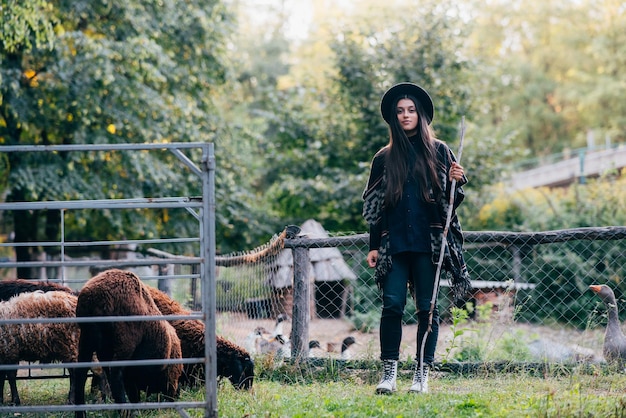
(202, 208)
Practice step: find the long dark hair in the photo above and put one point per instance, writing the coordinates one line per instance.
(401, 153)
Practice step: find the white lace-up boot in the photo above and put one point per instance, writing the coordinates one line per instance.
(420, 379)
(390, 373)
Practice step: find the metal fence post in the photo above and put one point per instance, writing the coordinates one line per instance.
(208, 278)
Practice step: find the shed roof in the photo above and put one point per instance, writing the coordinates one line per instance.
(326, 264)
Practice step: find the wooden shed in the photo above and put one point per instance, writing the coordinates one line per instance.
(329, 275)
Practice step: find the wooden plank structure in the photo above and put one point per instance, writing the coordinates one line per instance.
(327, 273)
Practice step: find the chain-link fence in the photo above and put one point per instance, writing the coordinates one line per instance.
(530, 299)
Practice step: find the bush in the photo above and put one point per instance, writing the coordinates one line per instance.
(561, 272)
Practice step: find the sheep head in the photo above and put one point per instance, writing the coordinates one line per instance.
(235, 363)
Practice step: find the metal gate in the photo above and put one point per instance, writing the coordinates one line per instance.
(201, 208)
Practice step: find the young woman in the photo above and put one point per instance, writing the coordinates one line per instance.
(406, 202)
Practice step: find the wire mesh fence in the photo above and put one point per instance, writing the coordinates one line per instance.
(530, 301)
(530, 298)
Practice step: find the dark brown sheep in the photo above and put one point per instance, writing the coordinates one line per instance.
(37, 341)
(233, 362)
(121, 293)
(13, 287)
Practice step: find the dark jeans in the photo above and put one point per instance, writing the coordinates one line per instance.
(418, 268)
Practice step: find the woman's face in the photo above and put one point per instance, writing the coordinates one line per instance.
(407, 116)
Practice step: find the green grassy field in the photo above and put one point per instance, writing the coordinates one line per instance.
(341, 392)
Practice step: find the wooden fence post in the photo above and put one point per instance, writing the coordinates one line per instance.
(301, 304)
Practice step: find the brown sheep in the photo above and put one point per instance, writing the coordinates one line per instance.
(233, 361)
(13, 287)
(37, 341)
(8, 289)
(121, 293)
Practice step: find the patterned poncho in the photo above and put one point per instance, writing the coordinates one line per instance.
(374, 213)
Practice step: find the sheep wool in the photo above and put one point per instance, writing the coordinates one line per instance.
(233, 361)
(13, 287)
(33, 342)
(122, 293)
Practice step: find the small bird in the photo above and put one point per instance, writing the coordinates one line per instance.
(346, 352)
(315, 349)
(284, 347)
(279, 327)
(346, 343)
(272, 346)
(614, 348)
(277, 343)
(254, 339)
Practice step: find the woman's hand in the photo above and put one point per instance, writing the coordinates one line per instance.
(372, 258)
(456, 172)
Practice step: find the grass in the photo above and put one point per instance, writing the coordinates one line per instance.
(335, 391)
(496, 396)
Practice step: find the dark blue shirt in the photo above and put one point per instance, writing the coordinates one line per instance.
(408, 221)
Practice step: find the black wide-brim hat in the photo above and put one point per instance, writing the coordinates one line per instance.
(406, 89)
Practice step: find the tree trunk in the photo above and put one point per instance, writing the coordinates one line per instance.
(52, 233)
(25, 228)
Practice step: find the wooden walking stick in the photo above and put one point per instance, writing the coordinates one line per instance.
(444, 243)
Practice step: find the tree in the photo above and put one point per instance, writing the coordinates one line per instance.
(257, 58)
(548, 71)
(106, 72)
(325, 131)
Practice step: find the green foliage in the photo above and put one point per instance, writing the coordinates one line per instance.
(500, 72)
(365, 322)
(366, 296)
(595, 203)
(479, 341)
(308, 174)
(484, 394)
(551, 68)
(510, 348)
(296, 123)
(328, 198)
(562, 272)
(459, 320)
(234, 288)
(31, 25)
(320, 139)
(101, 72)
(562, 278)
(473, 347)
(372, 55)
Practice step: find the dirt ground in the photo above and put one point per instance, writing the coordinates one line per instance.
(550, 343)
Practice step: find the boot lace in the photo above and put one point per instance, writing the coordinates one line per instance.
(388, 370)
(420, 377)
